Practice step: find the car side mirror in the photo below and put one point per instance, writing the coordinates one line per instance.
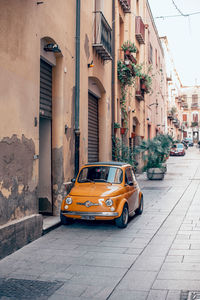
(73, 180)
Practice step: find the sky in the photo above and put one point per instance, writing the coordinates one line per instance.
(183, 35)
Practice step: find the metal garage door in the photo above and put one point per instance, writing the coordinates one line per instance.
(45, 89)
(93, 129)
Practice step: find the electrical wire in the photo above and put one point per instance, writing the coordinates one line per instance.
(181, 14)
(184, 15)
(175, 16)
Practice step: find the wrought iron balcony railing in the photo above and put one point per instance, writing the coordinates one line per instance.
(125, 4)
(139, 30)
(184, 105)
(139, 93)
(102, 36)
(194, 105)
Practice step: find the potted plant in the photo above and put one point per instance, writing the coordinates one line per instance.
(146, 82)
(116, 126)
(129, 47)
(155, 153)
(123, 130)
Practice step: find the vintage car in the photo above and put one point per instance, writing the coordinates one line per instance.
(103, 191)
(177, 150)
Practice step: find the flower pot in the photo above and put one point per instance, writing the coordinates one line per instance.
(155, 174)
(133, 135)
(143, 86)
(127, 52)
(122, 130)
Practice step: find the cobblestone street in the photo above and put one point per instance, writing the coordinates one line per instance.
(156, 257)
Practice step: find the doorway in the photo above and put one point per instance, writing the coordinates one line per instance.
(45, 139)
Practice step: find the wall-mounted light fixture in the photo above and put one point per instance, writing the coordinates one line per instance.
(52, 48)
(91, 65)
(156, 103)
(66, 127)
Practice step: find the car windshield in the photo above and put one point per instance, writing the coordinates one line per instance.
(101, 174)
(180, 146)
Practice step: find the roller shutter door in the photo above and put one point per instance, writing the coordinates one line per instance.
(93, 129)
(45, 90)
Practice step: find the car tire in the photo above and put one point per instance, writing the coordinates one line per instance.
(139, 210)
(65, 221)
(122, 221)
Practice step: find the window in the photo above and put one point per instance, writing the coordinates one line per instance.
(195, 98)
(184, 118)
(156, 57)
(129, 177)
(195, 117)
(150, 53)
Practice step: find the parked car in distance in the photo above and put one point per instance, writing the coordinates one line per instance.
(189, 141)
(185, 143)
(103, 191)
(177, 150)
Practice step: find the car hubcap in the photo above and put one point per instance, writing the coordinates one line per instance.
(125, 215)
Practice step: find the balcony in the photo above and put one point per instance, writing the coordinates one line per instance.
(139, 93)
(169, 115)
(184, 105)
(102, 36)
(139, 30)
(194, 105)
(125, 4)
(194, 124)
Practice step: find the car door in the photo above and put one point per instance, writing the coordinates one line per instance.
(129, 182)
(136, 190)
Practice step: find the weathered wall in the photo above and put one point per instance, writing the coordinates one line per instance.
(23, 24)
(17, 191)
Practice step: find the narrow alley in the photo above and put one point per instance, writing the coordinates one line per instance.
(156, 257)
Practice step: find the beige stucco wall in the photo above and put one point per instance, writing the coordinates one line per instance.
(155, 113)
(25, 27)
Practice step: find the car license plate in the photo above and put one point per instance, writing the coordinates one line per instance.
(88, 218)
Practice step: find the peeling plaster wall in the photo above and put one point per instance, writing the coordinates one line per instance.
(17, 192)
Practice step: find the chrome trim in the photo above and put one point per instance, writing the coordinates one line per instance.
(87, 203)
(94, 214)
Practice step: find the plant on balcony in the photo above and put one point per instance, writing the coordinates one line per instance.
(173, 111)
(129, 47)
(146, 82)
(116, 125)
(154, 154)
(194, 124)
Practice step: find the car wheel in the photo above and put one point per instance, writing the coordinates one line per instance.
(65, 221)
(122, 221)
(139, 210)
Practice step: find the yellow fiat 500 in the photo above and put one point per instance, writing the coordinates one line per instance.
(103, 191)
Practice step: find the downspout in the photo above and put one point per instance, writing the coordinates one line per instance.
(113, 73)
(77, 88)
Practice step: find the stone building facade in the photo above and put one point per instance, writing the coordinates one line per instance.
(55, 107)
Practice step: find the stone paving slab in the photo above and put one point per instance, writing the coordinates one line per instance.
(156, 257)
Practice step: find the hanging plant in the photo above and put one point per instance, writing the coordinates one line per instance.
(146, 83)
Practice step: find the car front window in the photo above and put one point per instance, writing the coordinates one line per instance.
(101, 174)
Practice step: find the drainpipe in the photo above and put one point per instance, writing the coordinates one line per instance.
(77, 88)
(113, 72)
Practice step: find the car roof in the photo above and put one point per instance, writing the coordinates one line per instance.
(109, 163)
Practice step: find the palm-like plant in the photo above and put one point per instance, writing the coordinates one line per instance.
(155, 151)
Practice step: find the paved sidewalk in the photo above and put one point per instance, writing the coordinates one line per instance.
(156, 257)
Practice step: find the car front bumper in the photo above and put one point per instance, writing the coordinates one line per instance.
(89, 214)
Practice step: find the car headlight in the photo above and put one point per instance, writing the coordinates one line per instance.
(109, 202)
(68, 200)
